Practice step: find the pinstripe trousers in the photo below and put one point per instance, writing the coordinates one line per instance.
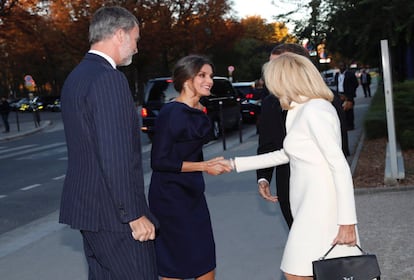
(117, 256)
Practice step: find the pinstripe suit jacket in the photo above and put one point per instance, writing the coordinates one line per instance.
(104, 186)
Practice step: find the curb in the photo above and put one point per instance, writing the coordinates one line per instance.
(382, 189)
(357, 153)
(44, 124)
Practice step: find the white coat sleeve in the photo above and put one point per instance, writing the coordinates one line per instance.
(261, 161)
(324, 128)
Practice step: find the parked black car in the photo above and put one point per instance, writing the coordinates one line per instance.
(223, 96)
(251, 100)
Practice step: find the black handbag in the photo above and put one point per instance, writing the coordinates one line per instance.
(361, 267)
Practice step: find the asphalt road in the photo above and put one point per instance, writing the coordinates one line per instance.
(33, 170)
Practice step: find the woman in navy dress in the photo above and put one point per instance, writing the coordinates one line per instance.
(185, 244)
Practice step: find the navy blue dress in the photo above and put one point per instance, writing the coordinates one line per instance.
(185, 244)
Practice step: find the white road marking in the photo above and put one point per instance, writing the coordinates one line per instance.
(45, 147)
(59, 177)
(2, 196)
(44, 153)
(30, 187)
(8, 150)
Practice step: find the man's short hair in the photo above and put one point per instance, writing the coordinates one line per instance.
(107, 20)
(290, 47)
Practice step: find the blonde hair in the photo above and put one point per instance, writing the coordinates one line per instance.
(293, 77)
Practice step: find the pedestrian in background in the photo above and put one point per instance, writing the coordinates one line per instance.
(4, 111)
(34, 107)
(259, 93)
(185, 245)
(103, 193)
(346, 84)
(366, 83)
(321, 188)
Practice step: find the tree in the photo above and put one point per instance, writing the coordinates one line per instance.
(310, 27)
(352, 30)
(358, 27)
(48, 38)
(254, 45)
(20, 23)
(179, 28)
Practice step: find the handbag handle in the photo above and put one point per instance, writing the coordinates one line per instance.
(333, 246)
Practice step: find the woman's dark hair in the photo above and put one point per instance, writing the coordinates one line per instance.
(187, 68)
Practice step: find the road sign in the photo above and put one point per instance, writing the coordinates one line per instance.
(29, 83)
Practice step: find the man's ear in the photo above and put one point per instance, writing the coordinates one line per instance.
(119, 36)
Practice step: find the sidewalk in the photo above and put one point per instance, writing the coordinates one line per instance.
(22, 128)
(250, 233)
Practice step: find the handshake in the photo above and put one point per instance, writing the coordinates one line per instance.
(218, 165)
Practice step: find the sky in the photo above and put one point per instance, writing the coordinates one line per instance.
(263, 8)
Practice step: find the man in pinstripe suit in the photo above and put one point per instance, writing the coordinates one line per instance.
(103, 194)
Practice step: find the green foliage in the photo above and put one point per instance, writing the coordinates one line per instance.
(352, 30)
(253, 47)
(407, 139)
(356, 27)
(250, 58)
(375, 122)
(404, 113)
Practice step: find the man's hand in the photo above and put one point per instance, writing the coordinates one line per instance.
(142, 229)
(264, 190)
(347, 105)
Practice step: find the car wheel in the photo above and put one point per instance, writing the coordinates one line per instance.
(216, 129)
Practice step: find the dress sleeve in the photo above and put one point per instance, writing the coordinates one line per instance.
(163, 144)
(261, 161)
(325, 130)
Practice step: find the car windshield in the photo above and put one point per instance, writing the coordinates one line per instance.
(161, 91)
(221, 89)
(244, 89)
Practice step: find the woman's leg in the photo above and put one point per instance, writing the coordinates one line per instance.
(208, 276)
(296, 277)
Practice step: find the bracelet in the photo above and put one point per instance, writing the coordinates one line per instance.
(232, 164)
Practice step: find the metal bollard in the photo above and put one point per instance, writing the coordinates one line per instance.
(223, 136)
(240, 130)
(17, 121)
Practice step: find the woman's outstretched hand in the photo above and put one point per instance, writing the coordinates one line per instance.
(217, 166)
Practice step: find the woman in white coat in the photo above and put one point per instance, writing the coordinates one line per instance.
(321, 187)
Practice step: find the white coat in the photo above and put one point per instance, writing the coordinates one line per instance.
(321, 187)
